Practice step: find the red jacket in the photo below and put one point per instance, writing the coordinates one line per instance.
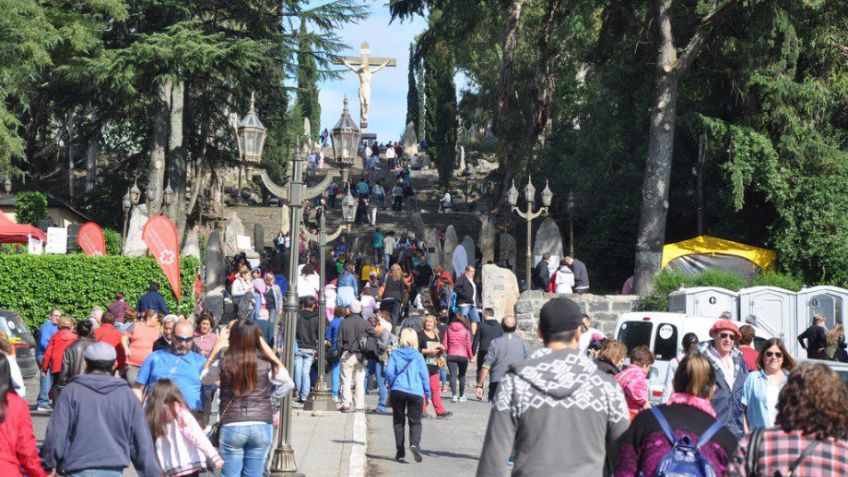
(17, 441)
(107, 333)
(56, 350)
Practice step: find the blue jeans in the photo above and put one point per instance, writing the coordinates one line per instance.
(245, 449)
(303, 359)
(44, 385)
(257, 305)
(379, 370)
(336, 370)
(98, 473)
(471, 312)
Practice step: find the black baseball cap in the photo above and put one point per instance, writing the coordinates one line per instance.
(558, 315)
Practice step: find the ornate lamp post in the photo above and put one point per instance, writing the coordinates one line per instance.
(530, 197)
(251, 140)
(570, 206)
(321, 398)
(345, 136)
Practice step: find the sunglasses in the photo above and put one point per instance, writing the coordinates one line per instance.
(729, 336)
(184, 339)
(776, 354)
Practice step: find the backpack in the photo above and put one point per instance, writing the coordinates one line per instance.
(684, 459)
(369, 347)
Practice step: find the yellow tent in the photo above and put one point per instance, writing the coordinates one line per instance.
(710, 252)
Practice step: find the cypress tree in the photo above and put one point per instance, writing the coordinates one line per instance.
(419, 125)
(441, 122)
(307, 83)
(412, 115)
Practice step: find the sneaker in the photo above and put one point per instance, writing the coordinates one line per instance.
(43, 409)
(455, 399)
(444, 414)
(345, 409)
(416, 454)
(462, 399)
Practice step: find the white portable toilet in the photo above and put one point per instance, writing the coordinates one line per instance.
(832, 302)
(710, 302)
(771, 308)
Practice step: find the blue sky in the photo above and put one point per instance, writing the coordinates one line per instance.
(388, 87)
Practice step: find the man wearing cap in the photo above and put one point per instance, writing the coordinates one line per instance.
(731, 372)
(179, 364)
(541, 274)
(97, 426)
(152, 300)
(555, 412)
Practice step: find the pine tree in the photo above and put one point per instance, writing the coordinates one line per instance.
(412, 113)
(307, 83)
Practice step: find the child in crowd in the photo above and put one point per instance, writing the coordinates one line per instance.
(634, 380)
(182, 448)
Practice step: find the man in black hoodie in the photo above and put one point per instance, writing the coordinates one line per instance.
(489, 329)
(98, 424)
(306, 335)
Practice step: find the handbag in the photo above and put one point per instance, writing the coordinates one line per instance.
(215, 430)
(389, 395)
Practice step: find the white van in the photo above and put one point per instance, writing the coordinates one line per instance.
(663, 334)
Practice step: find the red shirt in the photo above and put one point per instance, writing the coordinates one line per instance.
(56, 350)
(107, 333)
(750, 355)
(17, 441)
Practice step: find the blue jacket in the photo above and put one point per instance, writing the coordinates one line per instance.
(332, 332)
(47, 330)
(349, 280)
(98, 423)
(152, 300)
(406, 372)
(727, 400)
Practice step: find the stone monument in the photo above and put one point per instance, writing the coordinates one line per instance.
(548, 240)
(460, 158)
(361, 65)
(215, 276)
(418, 226)
(434, 249)
(410, 141)
(470, 249)
(488, 238)
(507, 250)
(258, 238)
(500, 290)
(450, 243)
(231, 233)
(192, 244)
(134, 245)
(458, 261)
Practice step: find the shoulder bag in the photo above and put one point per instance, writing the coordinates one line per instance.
(215, 431)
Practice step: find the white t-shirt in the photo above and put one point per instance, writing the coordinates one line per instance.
(586, 339)
(447, 198)
(564, 281)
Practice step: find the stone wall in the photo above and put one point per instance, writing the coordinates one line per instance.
(603, 310)
(269, 217)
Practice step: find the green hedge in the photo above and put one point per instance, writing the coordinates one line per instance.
(34, 284)
(668, 281)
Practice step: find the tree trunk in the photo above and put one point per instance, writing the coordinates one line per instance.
(91, 155)
(71, 133)
(158, 147)
(177, 166)
(505, 82)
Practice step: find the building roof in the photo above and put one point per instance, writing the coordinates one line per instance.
(9, 200)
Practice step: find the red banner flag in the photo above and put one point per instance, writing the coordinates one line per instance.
(160, 235)
(91, 240)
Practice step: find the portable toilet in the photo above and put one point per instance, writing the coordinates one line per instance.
(771, 308)
(710, 302)
(832, 302)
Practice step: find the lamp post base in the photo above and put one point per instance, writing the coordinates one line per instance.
(283, 464)
(320, 400)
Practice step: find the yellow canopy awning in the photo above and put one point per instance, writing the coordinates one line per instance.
(706, 245)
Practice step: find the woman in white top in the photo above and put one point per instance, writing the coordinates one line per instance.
(564, 280)
(242, 293)
(308, 282)
(690, 346)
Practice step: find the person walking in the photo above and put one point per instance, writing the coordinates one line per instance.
(45, 334)
(836, 344)
(347, 289)
(17, 441)
(814, 338)
(308, 283)
(182, 448)
(407, 378)
(274, 304)
(308, 339)
(588, 334)
(689, 343)
(488, 330)
(241, 292)
(351, 330)
(457, 343)
(119, 308)
(378, 244)
(466, 297)
(810, 436)
(54, 355)
(152, 300)
(73, 362)
(431, 347)
(610, 358)
(581, 275)
(503, 352)
(245, 374)
(762, 387)
(749, 354)
(330, 340)
(562, 281)
(397, 197)
(110, 334)
(687, 418)
(556, 389)
(732, 372)
(386, 342)
(97, 426)
(168, 324)
(389, 244)
(541, 273)
(204, 340)
(633, 379)
(179, 364)
(138, 341)
(393, 293)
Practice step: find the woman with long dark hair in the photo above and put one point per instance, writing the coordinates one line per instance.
(17, 441)
(182, 448)
(689, 345)
(392, 294)
(245, 375)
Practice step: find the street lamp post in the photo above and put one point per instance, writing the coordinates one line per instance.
(345, 139)
(321, 398)
(570, 206)
(530, 197)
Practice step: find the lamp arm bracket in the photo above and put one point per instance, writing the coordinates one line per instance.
(280, 192)
(316, 190)
(534, 215)
(519, 212)
(339, 231)
(309, 235)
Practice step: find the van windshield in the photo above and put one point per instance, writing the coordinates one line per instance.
(635, 333)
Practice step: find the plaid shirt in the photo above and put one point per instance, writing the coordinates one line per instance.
(778, 450)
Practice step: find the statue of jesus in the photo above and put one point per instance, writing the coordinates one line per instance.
(364, 72)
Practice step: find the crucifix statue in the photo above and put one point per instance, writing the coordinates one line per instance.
(361, 65)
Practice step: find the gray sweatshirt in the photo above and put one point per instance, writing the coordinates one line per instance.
(503, 352)
(558, 414)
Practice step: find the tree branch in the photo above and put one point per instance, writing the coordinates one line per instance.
(699, 39)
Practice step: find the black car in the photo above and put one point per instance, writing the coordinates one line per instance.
(22, 340)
